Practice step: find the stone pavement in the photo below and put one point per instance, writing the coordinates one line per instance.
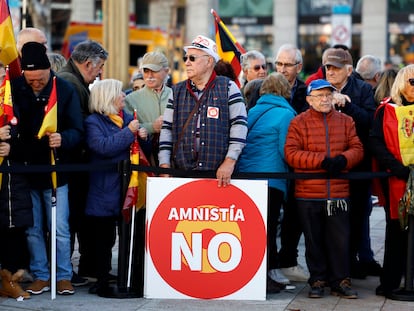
(292, 300)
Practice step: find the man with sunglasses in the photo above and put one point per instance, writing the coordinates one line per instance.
(205, 121)
(254, 66)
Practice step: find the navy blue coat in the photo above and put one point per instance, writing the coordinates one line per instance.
(105, 142)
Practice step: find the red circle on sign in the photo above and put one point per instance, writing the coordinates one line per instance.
(249, 229)
(340, 33)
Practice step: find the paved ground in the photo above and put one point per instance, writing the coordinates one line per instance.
(293, 300)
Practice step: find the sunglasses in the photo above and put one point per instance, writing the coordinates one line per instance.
(193, 58)
(411, 81)
(257, 67)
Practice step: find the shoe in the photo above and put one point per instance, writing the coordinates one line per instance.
(38, 287)
(273, 287)
(296, 273)
(317, 289)
(278, 276)
(344, 290)
(64, 287)
(10, 285)
(78, 280)
(372, 268)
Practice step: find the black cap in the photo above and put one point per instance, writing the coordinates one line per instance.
(34, 56)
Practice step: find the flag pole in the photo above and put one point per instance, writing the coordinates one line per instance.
(132, 233)
(131, 246)
(53, 225)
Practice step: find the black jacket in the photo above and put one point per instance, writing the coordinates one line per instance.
(29, 110)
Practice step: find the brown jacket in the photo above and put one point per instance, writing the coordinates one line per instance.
(311, 137)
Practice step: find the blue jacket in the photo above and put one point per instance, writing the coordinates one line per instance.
(106, 141)
(268, 123)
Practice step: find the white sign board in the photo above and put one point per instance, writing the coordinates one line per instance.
(205, 242)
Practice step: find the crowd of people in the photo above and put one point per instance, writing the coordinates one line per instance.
(341, 119)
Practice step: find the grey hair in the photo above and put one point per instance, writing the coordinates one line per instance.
(292, 48)
(248, 56)
(57, 61)
(89, 50)
(368, 66)
(103, 96)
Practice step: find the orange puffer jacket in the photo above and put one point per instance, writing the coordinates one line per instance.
(312, 136)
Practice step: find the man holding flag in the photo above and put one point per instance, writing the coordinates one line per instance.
(31, 95)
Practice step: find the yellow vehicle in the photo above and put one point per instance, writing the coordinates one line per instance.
(142, 39)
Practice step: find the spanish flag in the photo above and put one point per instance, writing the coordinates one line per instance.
(6, 103)
(8, 49)
(227, 46)
(49, 125)
(135, 195)
(398, 127)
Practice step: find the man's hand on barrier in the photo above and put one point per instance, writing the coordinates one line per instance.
(224, 172)
(164, 166)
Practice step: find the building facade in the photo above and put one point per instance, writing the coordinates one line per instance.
(383, 28)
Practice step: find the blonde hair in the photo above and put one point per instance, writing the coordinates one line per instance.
(400, 83)
(276, 84)
(103, 96)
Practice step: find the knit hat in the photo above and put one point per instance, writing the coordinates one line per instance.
(34, 56)
(337, 57)
(204, 44)
(154, 61)
(319, 84)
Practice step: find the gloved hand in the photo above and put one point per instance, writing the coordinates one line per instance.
(334, 165)
(401, 172)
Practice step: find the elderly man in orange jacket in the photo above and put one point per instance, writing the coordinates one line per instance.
(323, 140)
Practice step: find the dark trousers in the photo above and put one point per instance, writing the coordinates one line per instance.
(290, 233)
(274, 204)
(14, 254)
(395, 254)
(78, 191)
(99, 242)
(361, 207)
(326, 241)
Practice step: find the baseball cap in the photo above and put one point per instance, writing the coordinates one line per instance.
(319, 84)
(154, 61)
(204, 44)
(337, 57)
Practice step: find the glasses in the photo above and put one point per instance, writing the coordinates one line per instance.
(193, 58)
(322, 96)
(287, 65)
(257, 67)
(411, 81)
